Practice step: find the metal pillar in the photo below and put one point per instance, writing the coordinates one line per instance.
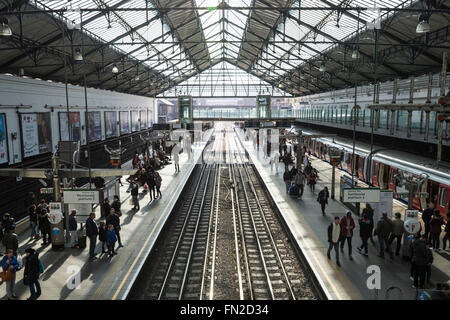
(443, 73)
(409, 123)
(439, 142)
(333, 181)
(427, 125)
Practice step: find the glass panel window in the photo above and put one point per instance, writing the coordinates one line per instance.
(443, 197)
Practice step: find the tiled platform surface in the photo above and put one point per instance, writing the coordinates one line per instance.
(309, 227)
(110, 278)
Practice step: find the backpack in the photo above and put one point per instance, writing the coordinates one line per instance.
(41, 267)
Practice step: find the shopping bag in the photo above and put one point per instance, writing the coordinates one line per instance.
(6, 275)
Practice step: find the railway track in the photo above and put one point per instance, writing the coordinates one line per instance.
(225, 240)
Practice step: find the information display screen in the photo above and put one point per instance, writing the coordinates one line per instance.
(111, 124)
(72, 131)
(143, 117)
(36, 133)
(3, 139)
(134, 121)
(94, 126)
(124, 117)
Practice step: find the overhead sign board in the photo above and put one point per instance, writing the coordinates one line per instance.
(361, 195)
(81, 196)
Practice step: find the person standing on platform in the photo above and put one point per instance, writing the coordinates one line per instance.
(106, 208)
(116, 206)
(176, 157)
(419, 260)
(102, 235)
(92, 233)
(114, 219)
(158, 181)
(347, 225)
(384, 229)
(134, 195)
(10, 266)
(429, 263)
(435, 229)
(300, 183)
(111, 240)
(7, 221)
(447, 234)
(364, 232)
(10, 240)
(322, 198)
(44, 225)
(31, 273)
(33, 221)
(287, 179)
(397, 232)
(426, 218)
(334, 234)
(151, 185)
(73, 226)
(368, 211)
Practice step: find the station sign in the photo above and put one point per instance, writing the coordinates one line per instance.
(81, 196)
(335, 160)
(361, 195)
(55, 212)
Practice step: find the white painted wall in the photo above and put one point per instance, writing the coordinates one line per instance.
(16, 91)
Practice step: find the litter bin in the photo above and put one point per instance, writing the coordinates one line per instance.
(82, 238)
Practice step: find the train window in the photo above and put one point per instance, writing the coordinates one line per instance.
(391, 176)
(443, 197)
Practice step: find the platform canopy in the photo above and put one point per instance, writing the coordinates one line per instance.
(146, 47)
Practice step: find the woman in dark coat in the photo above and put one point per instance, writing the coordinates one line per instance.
(44, 225)
(31, 273)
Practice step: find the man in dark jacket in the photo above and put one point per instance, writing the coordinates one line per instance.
(384, 229)
(151, 185)
(10, 240)
(419, 259)
(44, 225)
(287, 179)
(31, 273)
(116, 206)
(397, 232)
(114, 220)
(91, 233)
(365, 230)
(347, 225)
(368, 211)
(134, 195)
(436, 224)
(106, 208)
(7, 221)
(73, 226)
(33, 221)
(322, 198)
(426, 218)
(334, 234)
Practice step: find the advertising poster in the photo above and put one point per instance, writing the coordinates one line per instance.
(124, 117)
(134, 121)
(111, 124)
(75, 125)
(94, 126)
(143, 117)
(150, 119)
(36, 133)
(3, 141)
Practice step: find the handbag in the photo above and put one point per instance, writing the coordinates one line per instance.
(6, 275)
(19, 261)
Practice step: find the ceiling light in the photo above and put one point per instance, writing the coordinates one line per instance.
(423, 27)
(5, 30)
(322, 67)
(115, 69)
(78, 56)
(355, 54)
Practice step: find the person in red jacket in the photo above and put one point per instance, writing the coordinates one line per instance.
(347, 225)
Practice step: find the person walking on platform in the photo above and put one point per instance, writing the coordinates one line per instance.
(151, 185)
(384, 229)
(364, 232)
(111, 240)
(397, 232)
(334, 234)
(106, 208)
(287, 179)
(114, 219)
(73, 226)
(176, 157)
(435, 229)
(10, 266)
(426, 218)
(33, 221)
(134, 194)
(31, 273)
(116, 206)
(322, 198)
(92, 233)
(300, 183)
(102, 235)
(419, 259)
(368, 211)
(347, 225)
(158, 181)
(44, 225)
(447, 234)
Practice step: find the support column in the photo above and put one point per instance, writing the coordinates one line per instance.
(409, 123)
(427, 125)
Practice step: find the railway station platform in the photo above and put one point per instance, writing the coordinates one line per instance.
(309, 228)
(70, 275)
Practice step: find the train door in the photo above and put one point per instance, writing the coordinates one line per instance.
(442, 204)
(375, 171)
(348, 162)
(433, 191)
(341, 164)
(392, 180)
(383, 176)
(361, 162)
